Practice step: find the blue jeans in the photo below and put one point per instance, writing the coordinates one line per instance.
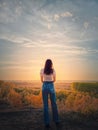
(48, 89)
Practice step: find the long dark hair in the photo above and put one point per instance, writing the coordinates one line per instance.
(48, 67)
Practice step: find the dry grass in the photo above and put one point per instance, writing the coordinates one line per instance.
(67, 99)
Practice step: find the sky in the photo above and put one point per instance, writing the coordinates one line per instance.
(65, 31)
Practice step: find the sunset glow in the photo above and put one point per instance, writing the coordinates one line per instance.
(33, 30)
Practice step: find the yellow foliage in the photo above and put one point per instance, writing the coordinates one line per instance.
(37, 100)
(69, 100)
(34, 100)
(81, 103)
(15, 99)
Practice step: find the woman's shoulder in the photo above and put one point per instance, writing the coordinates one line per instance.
(54, 72)
(42, 70)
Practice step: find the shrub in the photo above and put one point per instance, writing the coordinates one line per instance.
(61, 95)
(82, 103)
(15, 99)
(5, 88)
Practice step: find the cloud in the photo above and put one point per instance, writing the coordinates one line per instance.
(47, 3)
(10, 12)
(16, 63)
(18, 11)
(62, 15)
(86, 25)
(47, 20)
(46, 17)
(66, 14)
(17, 40)
(16, 68)
(9, 63)
(56, 17)
(76, 47)
(49, 26)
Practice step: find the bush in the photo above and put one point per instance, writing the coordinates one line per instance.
(15, 99)
(61, 95)
(5, 88)
(82, 103)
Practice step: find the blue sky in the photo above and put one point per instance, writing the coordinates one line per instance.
(64, 30)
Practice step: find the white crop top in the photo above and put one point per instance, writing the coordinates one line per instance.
(47, 77)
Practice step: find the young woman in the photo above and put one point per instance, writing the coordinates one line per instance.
(48, 77)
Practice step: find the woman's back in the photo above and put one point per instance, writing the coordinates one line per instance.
(47, 77)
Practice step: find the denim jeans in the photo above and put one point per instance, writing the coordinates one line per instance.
(48, 90)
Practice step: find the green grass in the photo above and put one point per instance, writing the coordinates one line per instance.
(91, 88)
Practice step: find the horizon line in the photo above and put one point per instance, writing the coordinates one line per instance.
(40, 81)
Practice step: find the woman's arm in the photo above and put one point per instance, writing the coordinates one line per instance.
(54, 76)
(41, 77)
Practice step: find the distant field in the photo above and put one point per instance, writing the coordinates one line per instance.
(38, 84)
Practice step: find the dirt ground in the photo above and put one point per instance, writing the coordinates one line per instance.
(32, 119)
